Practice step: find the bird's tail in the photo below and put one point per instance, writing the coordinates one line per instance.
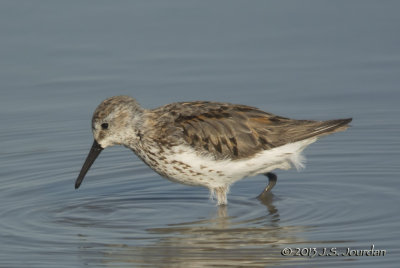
(322, 128)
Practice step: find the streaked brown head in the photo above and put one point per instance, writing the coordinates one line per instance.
(112, 122)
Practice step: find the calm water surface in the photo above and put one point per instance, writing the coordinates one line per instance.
(301, 59)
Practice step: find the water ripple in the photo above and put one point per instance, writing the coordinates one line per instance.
(126, 214)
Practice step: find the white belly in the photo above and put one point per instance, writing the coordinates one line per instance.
(185, 165)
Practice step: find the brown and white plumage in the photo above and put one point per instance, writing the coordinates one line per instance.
(235, 131)
(205, 143)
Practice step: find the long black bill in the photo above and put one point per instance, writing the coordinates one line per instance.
(94, 152)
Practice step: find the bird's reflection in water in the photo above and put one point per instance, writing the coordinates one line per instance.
(267, 200)
(221, 240)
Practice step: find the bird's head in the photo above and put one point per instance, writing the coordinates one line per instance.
(113, 123)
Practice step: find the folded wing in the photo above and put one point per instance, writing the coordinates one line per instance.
(236, 131)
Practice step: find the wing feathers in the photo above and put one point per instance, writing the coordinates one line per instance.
(236, 131)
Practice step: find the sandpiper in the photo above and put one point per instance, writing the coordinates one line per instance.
(203, 143)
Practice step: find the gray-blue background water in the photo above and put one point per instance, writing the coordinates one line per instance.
(300, 59)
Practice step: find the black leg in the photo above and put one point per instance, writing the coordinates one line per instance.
(272, 178)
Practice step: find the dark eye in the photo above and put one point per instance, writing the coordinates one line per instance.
(104, 125)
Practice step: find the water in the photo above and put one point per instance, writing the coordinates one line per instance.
(302, 59)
